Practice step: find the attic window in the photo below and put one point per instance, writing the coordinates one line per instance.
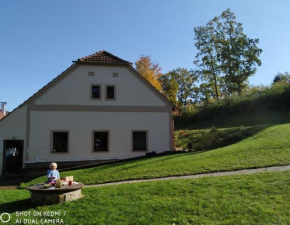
(115, 74)
(91, 73)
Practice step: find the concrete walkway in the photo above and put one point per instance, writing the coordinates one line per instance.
(4, 186)
(217, 174)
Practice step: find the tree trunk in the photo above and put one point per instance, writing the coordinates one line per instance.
(215, 87)
(239, 90)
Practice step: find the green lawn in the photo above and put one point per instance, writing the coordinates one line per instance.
(244, 199)
(267, 146)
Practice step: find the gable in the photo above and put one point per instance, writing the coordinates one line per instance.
(75, 88)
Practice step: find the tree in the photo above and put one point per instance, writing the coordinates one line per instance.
(204, 93)
(206, 58)
(182, 80)
(238, 55)
(150, 71)
(170, 88)
(282, 78)
(226, 56)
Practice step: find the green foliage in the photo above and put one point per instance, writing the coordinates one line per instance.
(204, 94)
(242, 132)
(206, 58)
(180, 82)
(238, 54)
(170, 88)
(172, 91)
(282, 78)
(276, 97)
(226, 57)
(208, 139)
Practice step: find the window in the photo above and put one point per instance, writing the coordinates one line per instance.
(139, 140)
(101, 141)
(60, 141)
(96, 92)
(110, 92)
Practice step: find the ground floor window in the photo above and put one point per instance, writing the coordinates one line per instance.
(139, 140)
(101, 141)
(60, 141)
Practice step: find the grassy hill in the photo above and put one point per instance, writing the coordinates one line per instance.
(266, 146)
(244, 199)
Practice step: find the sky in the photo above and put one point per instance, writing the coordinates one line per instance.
(40, 39)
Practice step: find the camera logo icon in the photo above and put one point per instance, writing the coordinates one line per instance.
(5, 217)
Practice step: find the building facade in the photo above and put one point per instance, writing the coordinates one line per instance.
(100, 108)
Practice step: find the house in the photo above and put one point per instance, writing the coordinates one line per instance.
(100, 108)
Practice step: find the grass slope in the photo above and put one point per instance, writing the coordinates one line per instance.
(183, 137)
(244, 199)
(269, 146)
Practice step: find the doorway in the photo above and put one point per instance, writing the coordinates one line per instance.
(12, 157)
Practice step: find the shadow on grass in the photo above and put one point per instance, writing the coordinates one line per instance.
(21, 205)
(11, 182)
(140, 162)
(228, 137)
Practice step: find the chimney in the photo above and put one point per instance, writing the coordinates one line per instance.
(3, 108)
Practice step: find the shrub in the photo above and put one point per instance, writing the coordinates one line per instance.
(275, 97)
(208, 139)
(242, 132)
(213, 138)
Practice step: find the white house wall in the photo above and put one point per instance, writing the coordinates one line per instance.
(12, 126)
(81, 125)
(75, 89)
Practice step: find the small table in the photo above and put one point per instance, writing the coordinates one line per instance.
(41, 196)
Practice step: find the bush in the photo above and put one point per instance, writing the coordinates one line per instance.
(275, 97)
(208, 140)
(213, 138)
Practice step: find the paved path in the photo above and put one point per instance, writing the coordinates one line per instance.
(217, 174)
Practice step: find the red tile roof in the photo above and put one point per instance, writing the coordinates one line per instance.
(102, 57)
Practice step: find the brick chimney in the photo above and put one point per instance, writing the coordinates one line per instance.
(3, 108)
